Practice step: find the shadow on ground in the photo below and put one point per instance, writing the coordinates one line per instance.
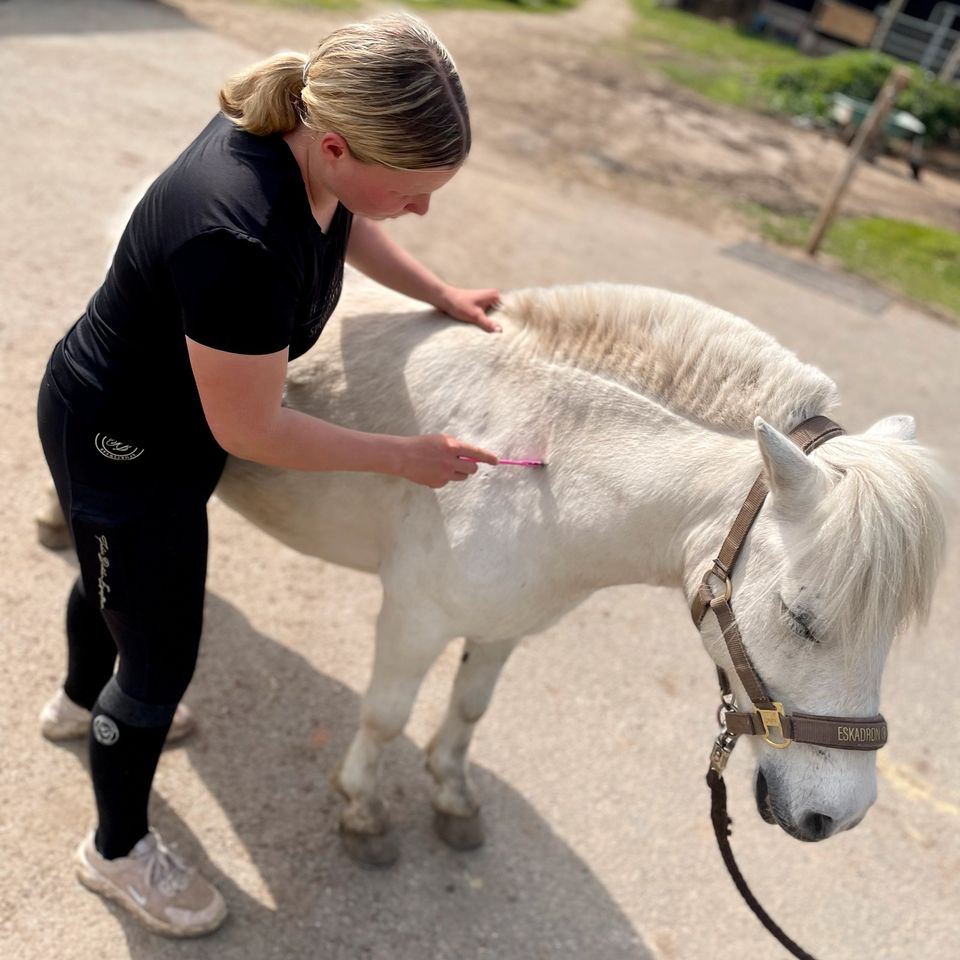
(272, 731)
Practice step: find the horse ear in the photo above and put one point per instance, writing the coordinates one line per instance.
(787, 469)
(897, 428)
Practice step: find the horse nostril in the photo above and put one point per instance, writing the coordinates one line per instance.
(816, 826)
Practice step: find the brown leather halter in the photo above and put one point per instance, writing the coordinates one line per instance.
(768, 719)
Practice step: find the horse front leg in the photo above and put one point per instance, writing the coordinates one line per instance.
(457, 812)
(407, 643)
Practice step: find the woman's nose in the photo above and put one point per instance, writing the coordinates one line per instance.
(419, 206)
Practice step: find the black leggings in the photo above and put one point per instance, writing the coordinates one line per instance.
(135, 501)
(136, 506)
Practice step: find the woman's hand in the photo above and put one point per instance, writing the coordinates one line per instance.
(434, 460)
(470, 306)
(381, 258)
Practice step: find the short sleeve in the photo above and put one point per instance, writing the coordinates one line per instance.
(234, 294)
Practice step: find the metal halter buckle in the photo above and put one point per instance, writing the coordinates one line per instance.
(773, 721)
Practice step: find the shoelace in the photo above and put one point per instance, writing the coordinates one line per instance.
(166, 871)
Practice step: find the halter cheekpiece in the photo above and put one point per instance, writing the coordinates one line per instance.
(767, 719)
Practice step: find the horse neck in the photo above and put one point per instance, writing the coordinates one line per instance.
(665, 489)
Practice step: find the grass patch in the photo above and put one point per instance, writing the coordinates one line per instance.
(309, 4)
(526, 6)
(921, 262)
(715, 59)
(726, 65)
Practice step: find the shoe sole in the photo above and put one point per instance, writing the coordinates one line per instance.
(65, 733)
(98, 884)
(78, 733)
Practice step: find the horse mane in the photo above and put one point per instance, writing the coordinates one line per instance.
(697, 360)
(877, 541)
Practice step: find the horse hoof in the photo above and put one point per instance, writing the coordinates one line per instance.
(460, 833)
(372, 850)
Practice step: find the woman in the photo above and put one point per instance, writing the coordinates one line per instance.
(229, 267)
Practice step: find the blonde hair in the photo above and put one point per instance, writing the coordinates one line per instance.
(388, 86)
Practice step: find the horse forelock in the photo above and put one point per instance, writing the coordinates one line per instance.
(877, 541)
(697, 360)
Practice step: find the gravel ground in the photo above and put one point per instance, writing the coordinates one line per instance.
(591, 759)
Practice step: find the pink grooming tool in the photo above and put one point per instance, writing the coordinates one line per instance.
(511, 463)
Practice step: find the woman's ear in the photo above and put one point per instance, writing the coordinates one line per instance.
(333, 146)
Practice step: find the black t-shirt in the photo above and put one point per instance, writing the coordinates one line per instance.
(223, 247)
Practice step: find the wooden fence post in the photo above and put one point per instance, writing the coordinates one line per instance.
(883, 28)
(898, 79)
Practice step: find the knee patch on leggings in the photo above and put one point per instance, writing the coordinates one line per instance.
(134, 713)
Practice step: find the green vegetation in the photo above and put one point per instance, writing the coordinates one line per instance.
(722, 63)
(725, 65)
(545, 6)
(918, 261)
(318, 4)
(533, 6)
(806, 89)
(715, 59)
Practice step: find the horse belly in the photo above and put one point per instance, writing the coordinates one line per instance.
(339, 517)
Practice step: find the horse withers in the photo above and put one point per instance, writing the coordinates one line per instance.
(654, 413)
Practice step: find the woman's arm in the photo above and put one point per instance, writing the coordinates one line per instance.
(374, 253)
(241, 397)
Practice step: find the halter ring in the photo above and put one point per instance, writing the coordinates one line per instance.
(715, 571)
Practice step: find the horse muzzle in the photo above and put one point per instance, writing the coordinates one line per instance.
(810, 826)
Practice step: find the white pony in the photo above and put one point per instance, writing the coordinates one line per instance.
(646, 406)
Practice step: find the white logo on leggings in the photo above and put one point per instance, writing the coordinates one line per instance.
(105, 731)
(116, 449)
(102, 586)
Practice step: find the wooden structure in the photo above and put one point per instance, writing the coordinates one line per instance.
(844, 21)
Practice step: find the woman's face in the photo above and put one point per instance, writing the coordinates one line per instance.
(374, 191)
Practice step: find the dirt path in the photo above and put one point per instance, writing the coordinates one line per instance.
(566, 95)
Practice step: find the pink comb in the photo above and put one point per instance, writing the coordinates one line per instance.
(511, 463)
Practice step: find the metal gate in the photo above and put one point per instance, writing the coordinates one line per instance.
(925, 42)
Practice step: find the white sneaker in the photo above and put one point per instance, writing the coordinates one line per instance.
(62, 719)
(155, 885)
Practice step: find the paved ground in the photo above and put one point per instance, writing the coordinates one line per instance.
(591, 759)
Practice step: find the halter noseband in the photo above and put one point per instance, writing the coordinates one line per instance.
(768, 719)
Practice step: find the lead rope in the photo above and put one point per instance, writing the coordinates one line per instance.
(808, 435)
(723, 829)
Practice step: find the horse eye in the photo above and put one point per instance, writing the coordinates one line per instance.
(799, 623)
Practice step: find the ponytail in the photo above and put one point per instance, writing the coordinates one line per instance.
(265, 98)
